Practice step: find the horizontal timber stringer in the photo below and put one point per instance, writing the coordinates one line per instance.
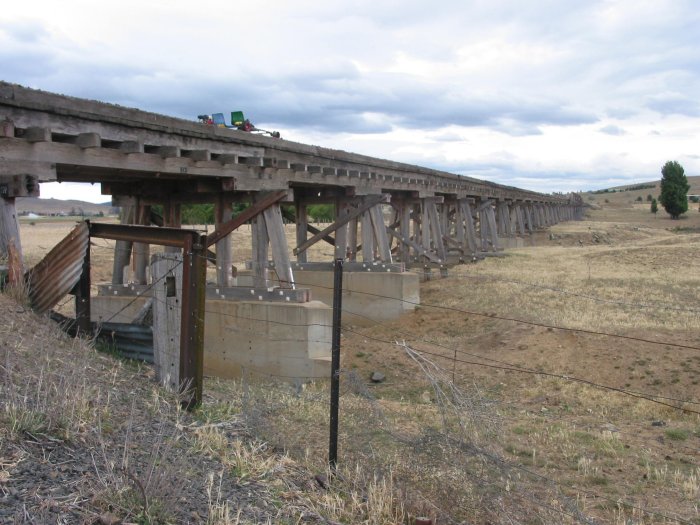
(144, 159)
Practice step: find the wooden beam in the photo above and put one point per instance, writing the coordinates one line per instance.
(247, 214)
(419, 250)
(278, 245)
(342, 221)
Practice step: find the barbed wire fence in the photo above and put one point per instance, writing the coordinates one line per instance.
(442, 458)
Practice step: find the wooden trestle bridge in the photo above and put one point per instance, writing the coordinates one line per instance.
(144, 159)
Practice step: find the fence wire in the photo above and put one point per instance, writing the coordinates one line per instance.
(440, 459)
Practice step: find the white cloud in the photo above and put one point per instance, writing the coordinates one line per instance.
(546, 95)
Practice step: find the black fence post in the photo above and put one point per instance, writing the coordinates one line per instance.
(335, 362)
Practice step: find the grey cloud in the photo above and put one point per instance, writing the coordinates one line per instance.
(612, 129)
(24, 31)
(674, 103)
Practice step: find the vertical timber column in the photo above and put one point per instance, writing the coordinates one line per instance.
(519, 218)
(302, 227)
(278, 245)
(141, 250)
(491, 216)
(380, 235)
(507, 224)
(513, 218)
(425, 225)
(342, 208)
(260, 243)
(10, 246)
(172, 218)
(484, 225)
(122, 249)
(435, 230)
(460, 234)
(445, 219)
(417, 220)
(368, 239)
(223, 210)
(466, 215)
(501, 221)
(352, 239)
(405, 230)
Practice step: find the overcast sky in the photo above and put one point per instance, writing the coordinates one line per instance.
(545, 95)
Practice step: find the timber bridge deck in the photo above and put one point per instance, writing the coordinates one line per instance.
(144, 159)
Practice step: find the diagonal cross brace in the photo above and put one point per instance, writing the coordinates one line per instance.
(342, 221)
(247, 214)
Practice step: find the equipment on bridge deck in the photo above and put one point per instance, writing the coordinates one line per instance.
(238, 121)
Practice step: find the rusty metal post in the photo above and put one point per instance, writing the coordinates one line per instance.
(82, 297)
(335, 362)
(192, 319)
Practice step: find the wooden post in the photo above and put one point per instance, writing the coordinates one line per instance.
(465, 214)
(435, 230)
(405, 230)
(172, 218)
(368, 239)
(302, 227)
(166, 272)
(425, 225)
(260, 242)
(194, 283)
(342, 210)
(82, 297)
(122, 249)
(491, 217)
(380, 235)
(417, 235)
(223, 211)
(10, 246)
(278, 245)
(141, 250)
(352, 239)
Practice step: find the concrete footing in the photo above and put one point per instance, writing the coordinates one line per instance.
(288, 340)
(368, 297)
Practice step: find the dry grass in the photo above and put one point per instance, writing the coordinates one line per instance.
(623, 271)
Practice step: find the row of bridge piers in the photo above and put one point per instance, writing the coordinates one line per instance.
(425, 233)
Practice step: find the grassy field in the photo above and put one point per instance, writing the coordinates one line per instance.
(525, 401)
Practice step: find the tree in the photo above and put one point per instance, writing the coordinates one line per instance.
(654, 206)
(674, 189)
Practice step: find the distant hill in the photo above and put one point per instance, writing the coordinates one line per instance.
(624, 196)
(694, 181)
(60, 207)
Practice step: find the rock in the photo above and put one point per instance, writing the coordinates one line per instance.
(658, 423)
(322, 481)
(377, 377)
(108, 519)
(607, 427)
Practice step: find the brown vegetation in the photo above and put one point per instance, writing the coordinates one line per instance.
(454, 432)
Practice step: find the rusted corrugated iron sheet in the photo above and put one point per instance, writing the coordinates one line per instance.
(57, 273)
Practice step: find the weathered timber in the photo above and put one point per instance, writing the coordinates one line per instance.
(356, 212)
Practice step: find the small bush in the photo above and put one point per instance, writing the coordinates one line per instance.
(677, 434)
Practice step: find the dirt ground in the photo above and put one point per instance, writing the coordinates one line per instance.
(568, 337)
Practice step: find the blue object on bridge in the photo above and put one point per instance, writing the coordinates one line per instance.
(219, 120)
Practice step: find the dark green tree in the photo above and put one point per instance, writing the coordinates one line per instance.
(654, 206)
(674, 189)
(321, 212)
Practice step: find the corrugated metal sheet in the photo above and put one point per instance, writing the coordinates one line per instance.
(57, 273)
(130, 340)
